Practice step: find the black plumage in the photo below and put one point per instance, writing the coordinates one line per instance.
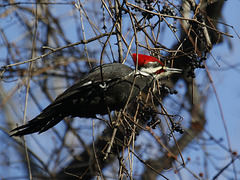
(102, 89)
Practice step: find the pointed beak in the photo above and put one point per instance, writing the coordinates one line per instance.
(172, 70)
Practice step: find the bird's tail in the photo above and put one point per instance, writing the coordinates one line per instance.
(49, 117)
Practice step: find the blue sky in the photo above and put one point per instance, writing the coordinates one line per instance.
(225, 78)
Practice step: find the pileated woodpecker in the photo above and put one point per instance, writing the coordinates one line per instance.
(104, 89)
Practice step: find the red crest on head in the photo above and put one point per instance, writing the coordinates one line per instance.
(144, 59)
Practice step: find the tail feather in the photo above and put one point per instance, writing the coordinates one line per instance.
(52, 123)
(41, 123)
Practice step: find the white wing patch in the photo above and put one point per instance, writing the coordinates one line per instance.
(103, 86)
(87, 83)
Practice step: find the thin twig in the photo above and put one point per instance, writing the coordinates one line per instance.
(58, 49)
(113, 135)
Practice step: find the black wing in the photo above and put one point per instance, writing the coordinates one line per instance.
(70, 100)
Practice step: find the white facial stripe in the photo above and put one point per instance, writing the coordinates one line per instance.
(143, 73)
(151, 70)
(140, 73)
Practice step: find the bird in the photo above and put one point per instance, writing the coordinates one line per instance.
(106, 88)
